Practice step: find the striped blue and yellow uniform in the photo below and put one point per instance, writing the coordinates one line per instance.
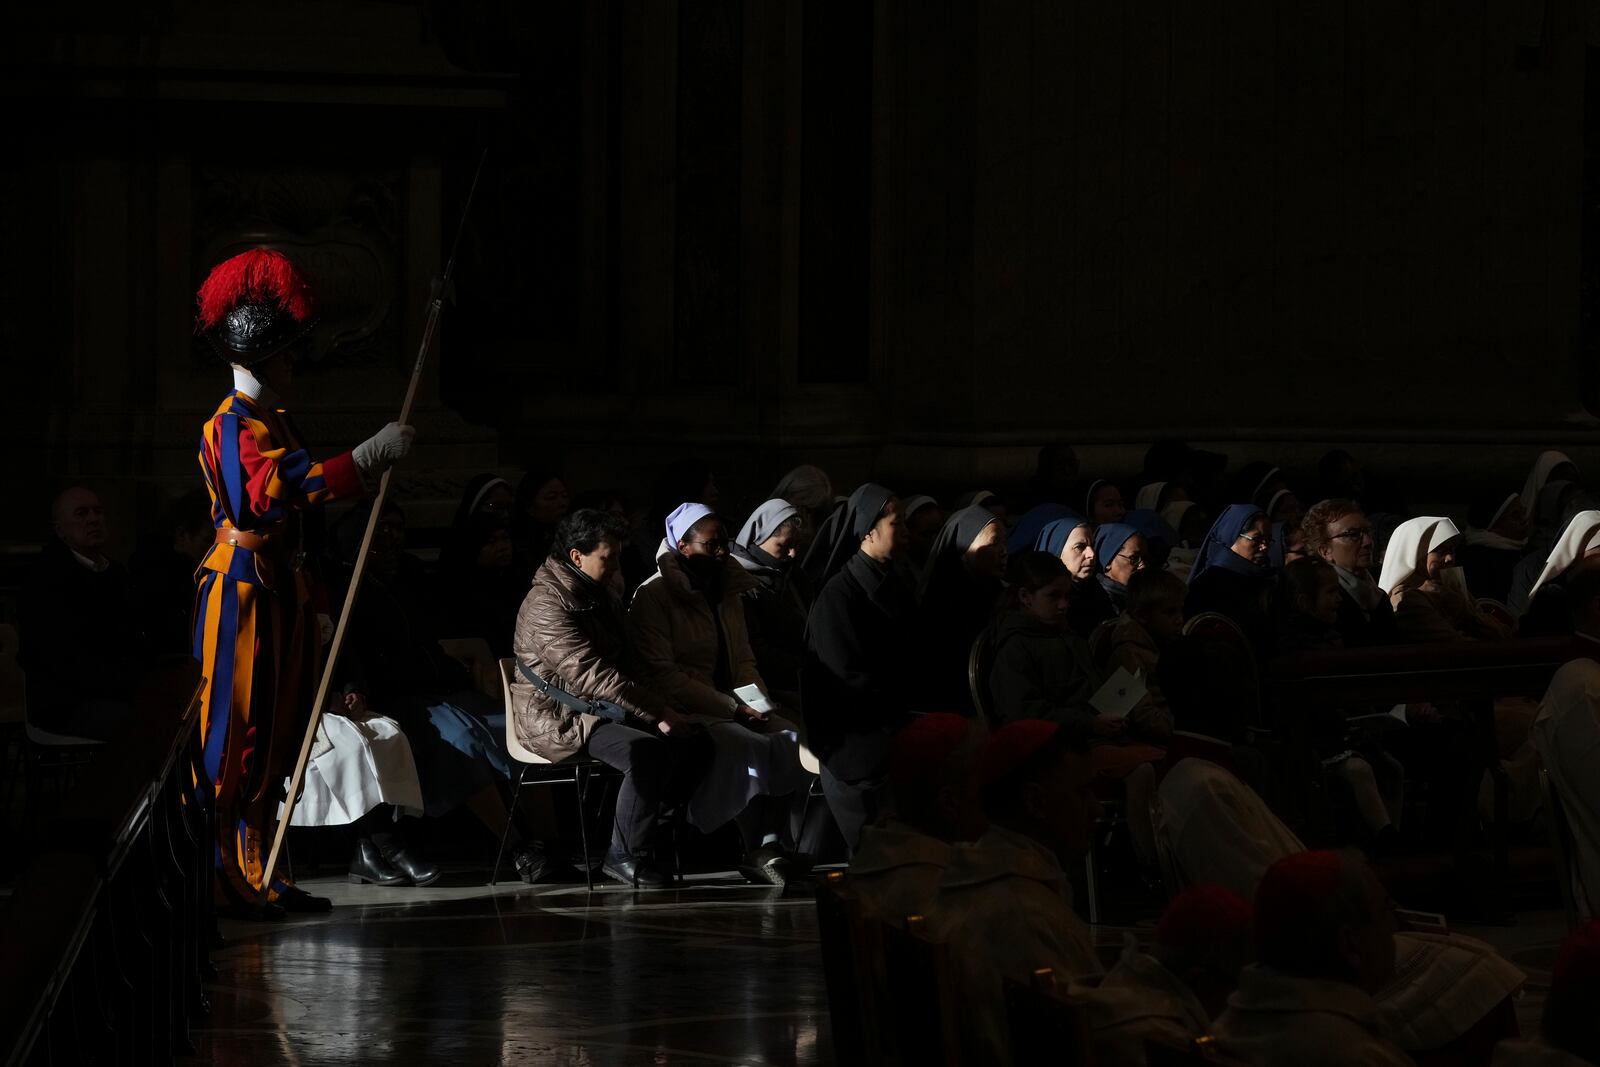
(255, 629)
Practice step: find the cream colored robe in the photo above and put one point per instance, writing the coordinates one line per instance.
(1005, 909)
(1567, 735)
(896, 870)
(1277, 1020)
(1140, 1000)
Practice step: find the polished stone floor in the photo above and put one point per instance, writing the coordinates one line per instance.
(714, 973)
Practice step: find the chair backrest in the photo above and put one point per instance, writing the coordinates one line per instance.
(848, 970)
(508, 669)
(1561, 840)
(979, 660)
(923, 1007)
(1041, 1017)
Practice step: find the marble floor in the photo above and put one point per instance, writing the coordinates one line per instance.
(716, 972)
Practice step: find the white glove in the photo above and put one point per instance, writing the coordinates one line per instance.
(384, 449)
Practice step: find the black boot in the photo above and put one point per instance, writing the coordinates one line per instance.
(406, 859)
(368, 865)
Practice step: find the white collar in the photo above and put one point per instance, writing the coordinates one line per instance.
(98, 566)
(251, 386)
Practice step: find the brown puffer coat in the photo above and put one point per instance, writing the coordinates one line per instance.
(570, 632)
(673, 637)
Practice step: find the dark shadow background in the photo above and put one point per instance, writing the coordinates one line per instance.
(907, 240)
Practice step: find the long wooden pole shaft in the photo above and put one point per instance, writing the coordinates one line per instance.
(297, 779)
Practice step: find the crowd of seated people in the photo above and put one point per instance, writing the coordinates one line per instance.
(880, 639)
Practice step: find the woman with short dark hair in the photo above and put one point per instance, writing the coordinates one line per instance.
(574, 694)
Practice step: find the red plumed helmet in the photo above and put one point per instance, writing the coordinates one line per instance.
(254, 305)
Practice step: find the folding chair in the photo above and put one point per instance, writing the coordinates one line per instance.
(579, 767)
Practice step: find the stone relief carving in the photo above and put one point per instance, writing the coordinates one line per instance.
(343, 226)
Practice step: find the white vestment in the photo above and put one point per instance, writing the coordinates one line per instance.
(896, 870)
(356, 765)
(1567, 734)
(1279, 1020)
(1005, 909)
(1213, 829)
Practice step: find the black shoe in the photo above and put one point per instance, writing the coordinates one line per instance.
(767, 866)
(534, 864)
(368, 865)
(409, 863)
(631, 870)
(298, 900)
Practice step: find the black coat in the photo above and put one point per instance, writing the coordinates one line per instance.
(775, 611)
(1041, 673)
(1089, 607)
(859, 660)
(82, 636)
(1241, 597)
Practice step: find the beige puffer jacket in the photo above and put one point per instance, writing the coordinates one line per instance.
(570, 633)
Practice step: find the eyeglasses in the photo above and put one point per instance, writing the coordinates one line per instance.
(716, 544)
(1254, 539)
(1359, 533)
(1135, 560)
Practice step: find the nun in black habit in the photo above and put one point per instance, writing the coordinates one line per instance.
(858, 669)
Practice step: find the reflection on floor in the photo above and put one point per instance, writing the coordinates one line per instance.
(714, 973)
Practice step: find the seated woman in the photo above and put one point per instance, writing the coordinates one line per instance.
(1230, 575)
(1189, 522)
(810, 490)
(394, 662)
(1284, 507)
(959, 593)
(1151, 624)
(1288, 545)
(574, 693)
(1497, 539)
(1156, 496)
(477, 591)
(686, 626)
(1550, 466)
(861, 653)
(542, 499)
(1422, 579)
(1159, 537)
(1036, 518)
(923, 518)
(1103, 502)
(1308, 602)
(1071, 540)
(1120, 551)
(1557, 503)
(1549, 610)
(776, 604)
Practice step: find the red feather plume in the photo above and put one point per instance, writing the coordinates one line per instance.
(260, 274)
